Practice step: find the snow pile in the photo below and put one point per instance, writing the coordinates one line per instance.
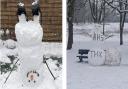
(4, 58)
(51, 49)
(11, 44)
(96, 57)
(113, 56)
(1, 43)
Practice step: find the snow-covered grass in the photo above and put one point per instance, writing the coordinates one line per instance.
(51, 50)
(85, 76)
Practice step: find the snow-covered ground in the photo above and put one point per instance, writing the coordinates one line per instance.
(51, 50)
(84, 76)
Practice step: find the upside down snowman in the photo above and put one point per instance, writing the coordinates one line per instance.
(29, 36)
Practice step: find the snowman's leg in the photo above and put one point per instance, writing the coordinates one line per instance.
(36, 11)
(21, 12)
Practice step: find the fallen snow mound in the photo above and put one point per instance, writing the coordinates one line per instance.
(1, 43)
(4, 58)
(113, 56)
(10, 44)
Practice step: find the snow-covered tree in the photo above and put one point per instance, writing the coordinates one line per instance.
(121, 6)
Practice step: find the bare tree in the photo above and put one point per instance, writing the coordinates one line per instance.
(96, 7)
(121, 7)
(70, 14)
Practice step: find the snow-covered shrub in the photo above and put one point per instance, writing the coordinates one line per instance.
(113, 57)
(11, 44)
(96, 57)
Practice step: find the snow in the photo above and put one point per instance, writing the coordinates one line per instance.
(4, 58)
(35, 2)
(32, 70)
(21, 4)
(28, 33)
(113, 56)
(47, 82)
(85, 76)
(96, 56)
(1, 43)
(10, 44)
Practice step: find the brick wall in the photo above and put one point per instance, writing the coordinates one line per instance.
(51, 17)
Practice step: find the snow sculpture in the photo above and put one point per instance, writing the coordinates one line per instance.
(96, 57)
(29, 36)
(113, 57)
(97, 34)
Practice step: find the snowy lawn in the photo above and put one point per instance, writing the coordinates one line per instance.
(51, 50)
(84, 76)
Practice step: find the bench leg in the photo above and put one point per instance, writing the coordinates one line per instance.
(81, 59)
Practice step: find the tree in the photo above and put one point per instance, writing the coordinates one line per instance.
(121, 7)
(70, 13)
(96, 7)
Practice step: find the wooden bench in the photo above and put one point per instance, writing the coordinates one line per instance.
(83, 54)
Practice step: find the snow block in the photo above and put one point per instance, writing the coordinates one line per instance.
(96, 57)
(113, 56)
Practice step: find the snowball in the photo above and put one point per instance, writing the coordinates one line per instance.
(10, 44)
(35, 2)
(29, 33)
(113, 56)
(21, 4)
(4, 58)
(96, 57)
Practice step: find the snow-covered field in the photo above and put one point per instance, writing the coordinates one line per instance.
(51, 50)
(85, 76)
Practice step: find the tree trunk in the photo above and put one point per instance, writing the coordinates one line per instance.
(70, 13)
(70, 35)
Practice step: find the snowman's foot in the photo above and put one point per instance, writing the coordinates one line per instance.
(32, 76)
(35, 8)
(21, 9)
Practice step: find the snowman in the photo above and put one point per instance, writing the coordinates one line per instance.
(29, 34)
